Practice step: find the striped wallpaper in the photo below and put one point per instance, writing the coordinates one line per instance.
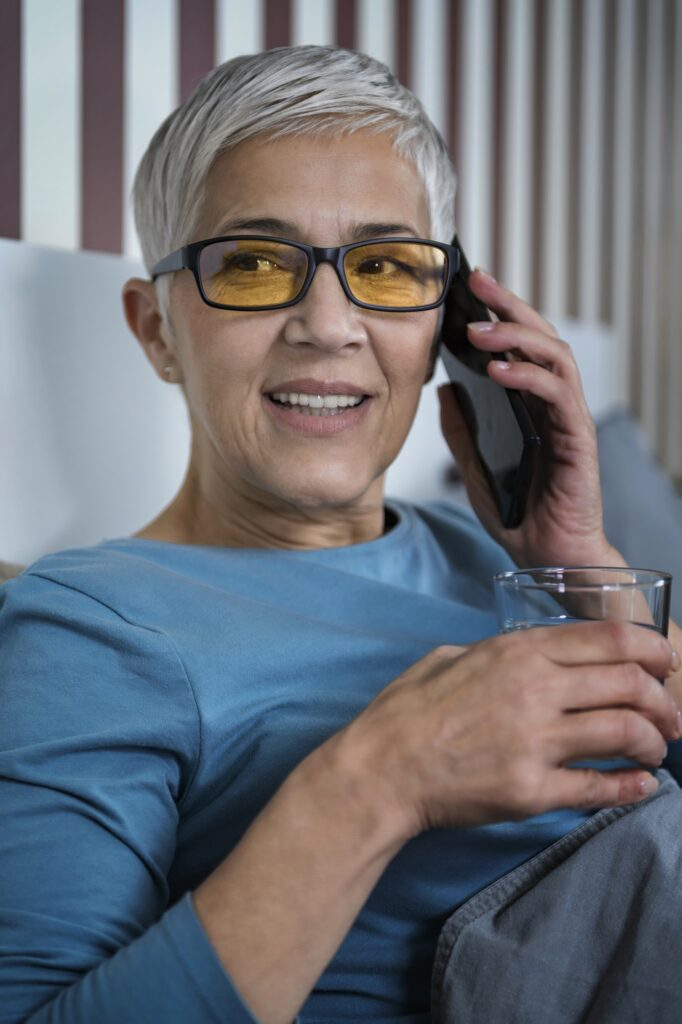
(564, 118)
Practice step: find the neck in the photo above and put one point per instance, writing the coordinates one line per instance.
(246, 517)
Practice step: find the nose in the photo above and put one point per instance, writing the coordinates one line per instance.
(325, 317)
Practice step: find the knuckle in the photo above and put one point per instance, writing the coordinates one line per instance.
(619, 634)
(444, 652)
(629, 729)
(593, 793)
(525, 783)
(636, 682)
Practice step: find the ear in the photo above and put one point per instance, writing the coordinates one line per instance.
(435, 345)
(143, 315)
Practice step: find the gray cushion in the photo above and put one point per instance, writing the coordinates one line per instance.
(642, 510)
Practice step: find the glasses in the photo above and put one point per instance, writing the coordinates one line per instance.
(245, 272)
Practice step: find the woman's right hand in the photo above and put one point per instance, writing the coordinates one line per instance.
(468, 736)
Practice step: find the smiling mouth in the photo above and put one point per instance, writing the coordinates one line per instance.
(317, 405)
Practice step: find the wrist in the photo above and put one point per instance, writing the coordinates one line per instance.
(334, 777)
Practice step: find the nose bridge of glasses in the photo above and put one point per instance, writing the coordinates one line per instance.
(333, 256)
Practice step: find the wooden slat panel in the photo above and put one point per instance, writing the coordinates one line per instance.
(673, 449)
(277, 23)
(346, 23)
(10, 119)
(538, 168)
(455, 84)
(102, 125)
(607, 193)
(499, 153)
(403, 39)
(574, 155)
(197, 43)
(637, 207)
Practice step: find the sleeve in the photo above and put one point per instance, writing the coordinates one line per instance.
(99, 738)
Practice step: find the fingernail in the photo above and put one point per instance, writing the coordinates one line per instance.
(675, 661)
(679, 725)
(647, 784)
(486, 274)
(501, 364)
(481, 326)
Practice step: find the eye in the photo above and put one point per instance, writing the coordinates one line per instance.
(248, 261)
(376, 265)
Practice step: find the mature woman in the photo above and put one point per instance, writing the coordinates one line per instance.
(243, 750)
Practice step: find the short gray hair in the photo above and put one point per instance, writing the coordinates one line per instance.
(296, 90)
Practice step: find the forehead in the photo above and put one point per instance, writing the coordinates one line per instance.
(323, 187)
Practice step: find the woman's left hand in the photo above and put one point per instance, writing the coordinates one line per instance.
(563, 523)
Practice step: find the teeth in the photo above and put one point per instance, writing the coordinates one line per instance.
(317, 403)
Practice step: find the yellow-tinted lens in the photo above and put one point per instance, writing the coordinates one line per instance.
(252, 272)
(398, 274)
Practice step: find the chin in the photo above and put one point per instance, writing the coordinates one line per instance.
(326, 490)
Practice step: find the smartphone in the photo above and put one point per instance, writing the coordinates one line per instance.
(498, 419)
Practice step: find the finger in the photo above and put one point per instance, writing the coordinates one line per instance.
(616, 732)
(506, 304)
(539, 347)
(543, 384)
(628, 685)
(601, 643)
(589, 789)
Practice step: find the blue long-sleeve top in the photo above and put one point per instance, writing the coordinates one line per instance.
(153, 697)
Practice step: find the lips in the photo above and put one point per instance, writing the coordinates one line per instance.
(310, 386)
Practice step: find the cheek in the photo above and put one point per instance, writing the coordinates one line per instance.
(407, 361)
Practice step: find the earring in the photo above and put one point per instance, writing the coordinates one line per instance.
(168, 370)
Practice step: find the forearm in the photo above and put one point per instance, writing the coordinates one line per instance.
(278, 908)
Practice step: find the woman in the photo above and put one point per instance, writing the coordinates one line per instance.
(241, 746)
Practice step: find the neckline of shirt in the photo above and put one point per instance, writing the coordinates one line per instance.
(404, 516)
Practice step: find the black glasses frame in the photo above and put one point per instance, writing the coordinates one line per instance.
(187, 258)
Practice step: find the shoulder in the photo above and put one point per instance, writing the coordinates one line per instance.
(458, 532)
(67, 614)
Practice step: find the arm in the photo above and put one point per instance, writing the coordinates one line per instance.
(92, 782)
(434, 749)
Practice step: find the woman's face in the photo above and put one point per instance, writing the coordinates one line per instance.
(324, 192)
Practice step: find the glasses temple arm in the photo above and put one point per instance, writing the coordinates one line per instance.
(176, 261)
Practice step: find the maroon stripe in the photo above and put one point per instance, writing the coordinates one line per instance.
(454, 78)
(606, 310)
(537, 170)
(669, 333)
(403, 56)
(277, 23)
(197, 43)
(637, 266)
(498, 147)
(346, 23)
(102, 125)
(10, 119)
(575, 147)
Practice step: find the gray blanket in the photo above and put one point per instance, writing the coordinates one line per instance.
(587, 932)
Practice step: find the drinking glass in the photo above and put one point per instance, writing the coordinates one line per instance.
(557, 596)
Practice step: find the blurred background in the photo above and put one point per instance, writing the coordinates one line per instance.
(564, 119)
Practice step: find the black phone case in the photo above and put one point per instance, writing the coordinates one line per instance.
(462, 308)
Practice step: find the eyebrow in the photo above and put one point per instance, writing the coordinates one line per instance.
(274, 226)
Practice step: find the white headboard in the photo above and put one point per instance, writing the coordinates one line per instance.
(94, 445)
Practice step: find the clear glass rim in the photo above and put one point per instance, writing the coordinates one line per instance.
(644, 578)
